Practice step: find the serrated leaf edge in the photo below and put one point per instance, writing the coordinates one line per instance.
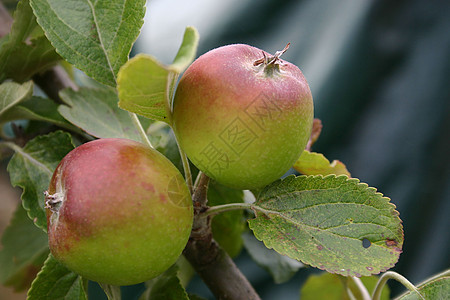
(49, 258)
(356, 181)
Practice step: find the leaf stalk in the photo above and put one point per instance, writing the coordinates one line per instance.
(393, 275)
(361, 287)
(214, 210)
(141, 130)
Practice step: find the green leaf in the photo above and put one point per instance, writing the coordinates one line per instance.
(31, 168)
(38, 109)
(437, 287)
(55, 281)
(142, 84)
(25, 248)
(331, 287)
(12, 93)
(227, 227)
(146, 86)
(96, 112)
(280, 267)
(185, 270)
(312, 163)
(19, 59)
(95, 36)
(24, 22)
(29, 59)
(188, 50)
(333, 223)
(166, 286)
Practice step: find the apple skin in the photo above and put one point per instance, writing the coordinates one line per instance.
(242, 124)
(121, 213)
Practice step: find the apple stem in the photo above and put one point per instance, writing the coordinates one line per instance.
(270, 61)
(201, 226)
(201, 188)
(140, 129)
(187, 169)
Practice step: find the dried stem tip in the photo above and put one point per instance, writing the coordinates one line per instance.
(271, 59)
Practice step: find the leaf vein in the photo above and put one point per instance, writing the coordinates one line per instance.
(101, 39)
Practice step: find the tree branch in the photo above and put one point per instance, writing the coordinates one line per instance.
(218, 271)
(209, 260)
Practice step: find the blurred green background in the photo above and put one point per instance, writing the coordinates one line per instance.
(379, 72)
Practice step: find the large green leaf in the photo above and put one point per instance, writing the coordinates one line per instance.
(146, 86)
(333, 223)
(55, 281)
(280, 267)
(227, 227)
(31, 168)
(95, 36)
(331, 287)
(25, 248)
(20, 59)
(12, 93)
(96, 112)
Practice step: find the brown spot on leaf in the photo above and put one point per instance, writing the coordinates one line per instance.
(319, 247)
(391, 243)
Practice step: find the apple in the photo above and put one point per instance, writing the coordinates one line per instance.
(243, 116)
(118, 212)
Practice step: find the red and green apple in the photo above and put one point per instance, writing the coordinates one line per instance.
(118, 212)
(243, 116)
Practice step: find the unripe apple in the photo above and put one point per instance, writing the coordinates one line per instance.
(118, 212)
(242, 116)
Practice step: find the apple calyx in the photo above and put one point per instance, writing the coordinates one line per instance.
(53, 202)
(271, 63)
